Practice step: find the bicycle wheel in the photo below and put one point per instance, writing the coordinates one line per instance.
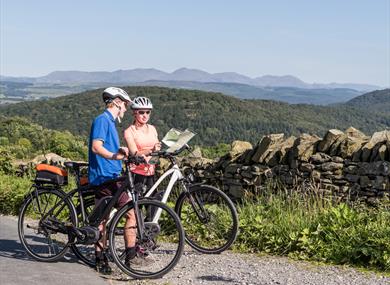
(209, 218)
(85, 252)
(161, 246)
(42, 224)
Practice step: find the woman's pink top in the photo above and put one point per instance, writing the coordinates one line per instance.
(143, 141)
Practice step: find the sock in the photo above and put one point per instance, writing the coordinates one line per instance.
(130, 252)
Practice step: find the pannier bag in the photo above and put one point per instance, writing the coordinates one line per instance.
(51, 174)
(84, 180)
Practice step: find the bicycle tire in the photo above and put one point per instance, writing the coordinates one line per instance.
(30, 222)
(200, 235)
(168, 242)
(86, 253)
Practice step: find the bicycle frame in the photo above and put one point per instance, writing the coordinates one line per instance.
(175, 176)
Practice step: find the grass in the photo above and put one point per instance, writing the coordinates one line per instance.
(297, 224)
(309, 227)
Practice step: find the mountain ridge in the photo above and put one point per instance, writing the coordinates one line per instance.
(139, 75)
(215, 117)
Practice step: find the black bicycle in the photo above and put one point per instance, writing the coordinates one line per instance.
(49, 224)
(208, 216)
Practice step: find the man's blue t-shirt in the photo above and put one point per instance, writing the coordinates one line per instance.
(102, 169)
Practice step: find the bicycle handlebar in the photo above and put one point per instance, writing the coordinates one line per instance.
(135, 159)
(165, 154)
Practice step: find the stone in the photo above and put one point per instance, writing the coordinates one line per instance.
(365, 182)
(351, 169)
(382, 153)
(259, 168)
(340, 182)
(284, 148)
(380, 183)
(377, 138)
(330, 137)
(374, 152)
(357, 155)
(247, 174)
(306, 167)
(196, 153)
(350, 146)
(352, 178)
(280, 169)
(366, 152)
(335, 147)
(355, 133)
(337, 159)
(316, 175)
(380, 137)
(232, 168)
(331, 166)
(320, 158)
(50, 158)
(305, 147)
(264, 144)
(238, 147)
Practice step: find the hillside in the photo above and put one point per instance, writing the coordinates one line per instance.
(215, 117)
(291, 95)
(376, 101)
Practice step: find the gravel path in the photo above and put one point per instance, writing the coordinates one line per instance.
(193, 268)
(232, 268)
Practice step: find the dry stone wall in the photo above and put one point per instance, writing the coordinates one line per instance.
(347, 165)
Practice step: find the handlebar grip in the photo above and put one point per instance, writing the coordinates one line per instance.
(136, 159)
(158, 153)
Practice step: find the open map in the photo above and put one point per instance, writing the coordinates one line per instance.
(175, 139)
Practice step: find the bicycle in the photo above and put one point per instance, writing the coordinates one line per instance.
(208, 216)
(48, 226)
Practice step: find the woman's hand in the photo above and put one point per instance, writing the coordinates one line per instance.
(157, 147)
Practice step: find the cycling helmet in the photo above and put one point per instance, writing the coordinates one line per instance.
(110, 93)
(141, 103)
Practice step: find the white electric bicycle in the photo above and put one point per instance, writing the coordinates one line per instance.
(208, 216)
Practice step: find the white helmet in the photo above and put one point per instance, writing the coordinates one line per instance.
(110, 93)
(141, 103)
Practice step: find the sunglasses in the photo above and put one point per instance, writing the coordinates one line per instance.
(144, 112)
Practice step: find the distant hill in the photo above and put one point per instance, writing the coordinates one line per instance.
(292, 95)
(376, 101)
(216, 118)
(18, 91)
(139, 75)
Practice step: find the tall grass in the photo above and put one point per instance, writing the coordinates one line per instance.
(299, 224)
(309, 226)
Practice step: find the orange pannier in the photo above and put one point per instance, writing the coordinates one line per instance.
(51, 174)
(84, 180)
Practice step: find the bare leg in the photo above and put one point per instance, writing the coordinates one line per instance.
(130, 232)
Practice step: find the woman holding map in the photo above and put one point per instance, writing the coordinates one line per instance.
(142, 139)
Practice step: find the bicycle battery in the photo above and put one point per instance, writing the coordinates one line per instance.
(99, 209)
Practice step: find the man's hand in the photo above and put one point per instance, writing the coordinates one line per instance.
(123, 150)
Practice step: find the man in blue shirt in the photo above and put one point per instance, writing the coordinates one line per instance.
(105, 155)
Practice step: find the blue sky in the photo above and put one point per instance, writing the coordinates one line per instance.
(317, 41)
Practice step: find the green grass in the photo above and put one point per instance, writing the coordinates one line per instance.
(306, 227)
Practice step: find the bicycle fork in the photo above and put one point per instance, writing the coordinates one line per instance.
(197, 205)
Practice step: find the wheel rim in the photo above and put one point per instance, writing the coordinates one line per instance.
(161, 248)
(39, 230)
(213, 227)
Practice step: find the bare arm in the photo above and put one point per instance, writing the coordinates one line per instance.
(99, 149)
